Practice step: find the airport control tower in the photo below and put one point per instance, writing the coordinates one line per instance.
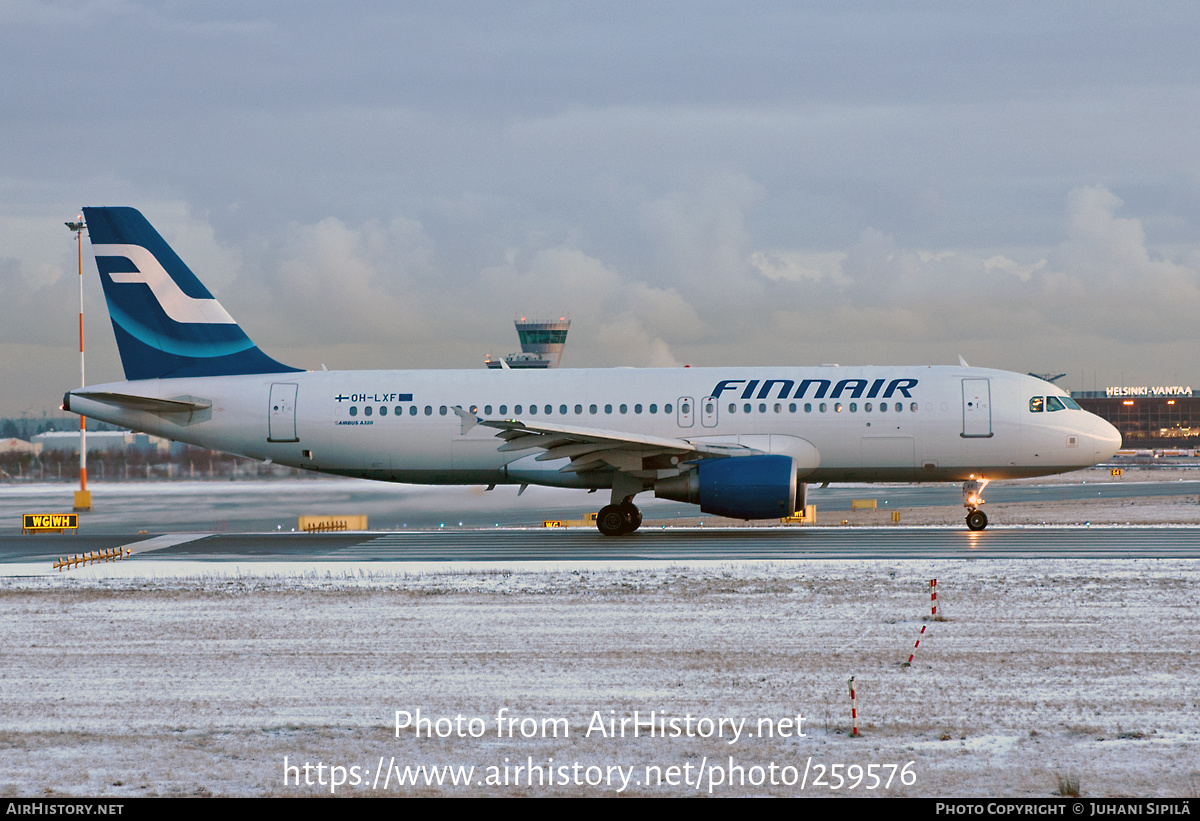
(542, 344)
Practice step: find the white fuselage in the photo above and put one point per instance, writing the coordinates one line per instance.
(935, 423)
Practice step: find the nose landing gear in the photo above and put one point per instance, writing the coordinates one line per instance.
(976, 520)
(972, 490)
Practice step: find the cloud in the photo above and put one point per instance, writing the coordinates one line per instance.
(618, 321)
(799, 266)
(1104, 276)
(699, 237)
(1098, 297)
(38, 309)
(333, 284)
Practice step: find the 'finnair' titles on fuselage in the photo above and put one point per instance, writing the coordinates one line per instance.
(820, 386)
(737, 441)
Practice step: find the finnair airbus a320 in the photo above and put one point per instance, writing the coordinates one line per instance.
(738, 442)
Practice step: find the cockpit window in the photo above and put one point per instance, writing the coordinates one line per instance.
(1052, 403)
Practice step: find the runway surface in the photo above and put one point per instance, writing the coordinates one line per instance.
(253, 521)
(255, 507)
(675, 545)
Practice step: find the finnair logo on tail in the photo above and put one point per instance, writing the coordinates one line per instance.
(178, 306)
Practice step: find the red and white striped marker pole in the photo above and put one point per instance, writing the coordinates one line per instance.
(933, 597)
(83, 499)
(915, 646)
(853, 706)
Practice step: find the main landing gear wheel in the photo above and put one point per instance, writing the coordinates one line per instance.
(617, 520)
(976, 520)
(633, 516)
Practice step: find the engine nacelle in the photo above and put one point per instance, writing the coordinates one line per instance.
(741, 487)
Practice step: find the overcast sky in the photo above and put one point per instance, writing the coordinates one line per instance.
(371, 185)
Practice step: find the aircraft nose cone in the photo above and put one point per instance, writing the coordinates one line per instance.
(1106, 439)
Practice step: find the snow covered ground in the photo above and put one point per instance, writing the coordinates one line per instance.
(1042, 671)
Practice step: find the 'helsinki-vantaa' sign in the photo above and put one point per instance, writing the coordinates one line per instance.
(1158, 390)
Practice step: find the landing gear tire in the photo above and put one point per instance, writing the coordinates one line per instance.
(976, 520)
(610, 521)
(617, 520)
(633, 516)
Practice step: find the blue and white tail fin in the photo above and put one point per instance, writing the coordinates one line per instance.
(167, 323)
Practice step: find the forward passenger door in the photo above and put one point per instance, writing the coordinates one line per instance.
(977, 408)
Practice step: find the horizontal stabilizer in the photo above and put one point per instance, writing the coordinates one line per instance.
(146, 403)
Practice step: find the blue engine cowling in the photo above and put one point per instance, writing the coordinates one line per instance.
(741, 487)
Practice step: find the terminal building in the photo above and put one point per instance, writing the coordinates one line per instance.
(105, 442)
(1150, 418)
(542, 345)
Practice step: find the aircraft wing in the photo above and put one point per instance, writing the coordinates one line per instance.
(596, 449)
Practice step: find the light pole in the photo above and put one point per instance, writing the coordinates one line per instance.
(83, 498)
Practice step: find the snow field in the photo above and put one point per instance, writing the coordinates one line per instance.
(192, 686)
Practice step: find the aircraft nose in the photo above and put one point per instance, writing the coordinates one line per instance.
(1106, 439)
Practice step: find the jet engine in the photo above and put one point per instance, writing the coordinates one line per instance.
(740, 487)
